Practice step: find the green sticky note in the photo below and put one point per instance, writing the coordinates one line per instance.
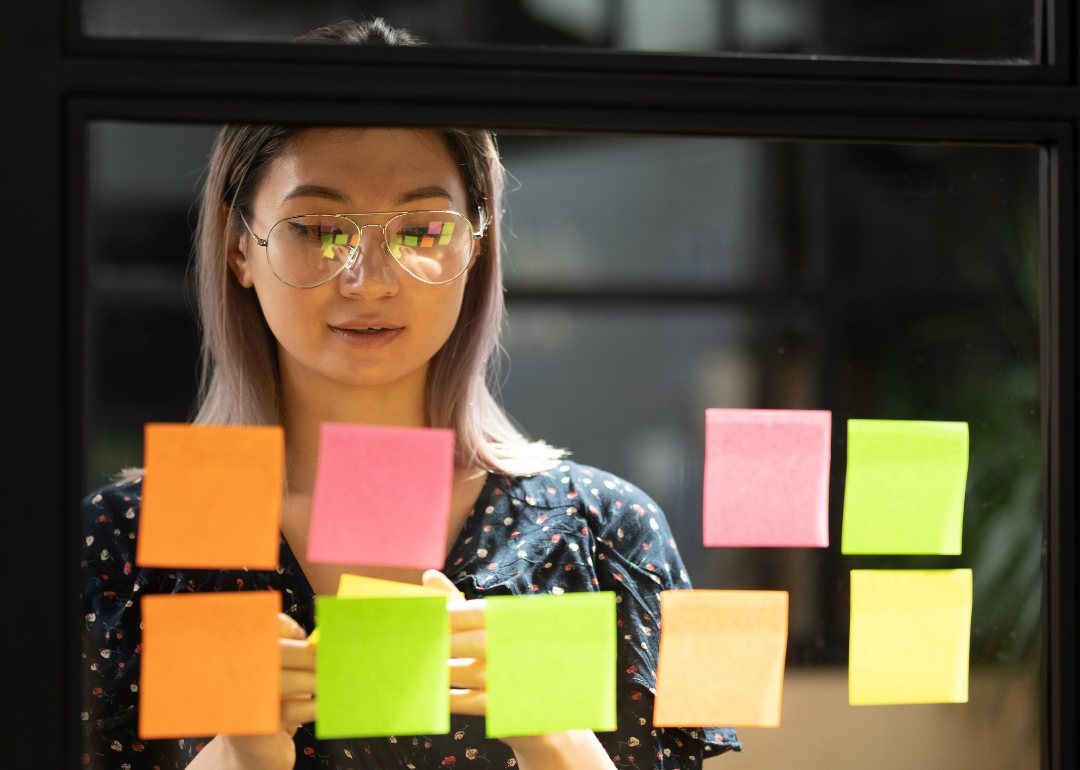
(527, 698)
(910, 636)
(382, 667)
(905, 487)
(409, 240)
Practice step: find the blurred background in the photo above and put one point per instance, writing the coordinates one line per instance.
(1000, 30)
(650, 278)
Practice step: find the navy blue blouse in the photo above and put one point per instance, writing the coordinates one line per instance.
(574, 528)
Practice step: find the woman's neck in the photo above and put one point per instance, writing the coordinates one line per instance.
(308, 400)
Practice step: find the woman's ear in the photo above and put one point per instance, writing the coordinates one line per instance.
(477, 249)
(237, 249)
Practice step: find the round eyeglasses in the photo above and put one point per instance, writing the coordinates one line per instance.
(308, 250)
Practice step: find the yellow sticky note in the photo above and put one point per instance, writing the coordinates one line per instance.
(721, 658)
(910, 636)
(359, 587)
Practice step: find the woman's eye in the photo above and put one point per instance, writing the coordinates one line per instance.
(303, 231)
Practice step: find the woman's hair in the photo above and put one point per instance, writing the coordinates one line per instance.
(239, 382)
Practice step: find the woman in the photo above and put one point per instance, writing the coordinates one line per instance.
(373, 330)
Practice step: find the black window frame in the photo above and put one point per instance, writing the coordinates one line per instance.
(58, 80)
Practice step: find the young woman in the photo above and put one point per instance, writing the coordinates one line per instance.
(316, 307)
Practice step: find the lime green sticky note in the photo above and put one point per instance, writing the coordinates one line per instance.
(910, 636)
(526, 698)
(358, 587)
(905, 486)
(382, 667)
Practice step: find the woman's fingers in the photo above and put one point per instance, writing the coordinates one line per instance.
(298, 654)
(297, 682)
(438, 581)
(467, 615)
(297, 712)
(468, 644)
(471, 702)
(289, 628)
(468, 673)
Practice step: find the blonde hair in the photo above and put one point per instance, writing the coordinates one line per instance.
(239, 382)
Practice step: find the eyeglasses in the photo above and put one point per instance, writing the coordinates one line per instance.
(308, 250)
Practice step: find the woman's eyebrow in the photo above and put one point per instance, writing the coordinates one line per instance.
(317, 191)
(423, 193)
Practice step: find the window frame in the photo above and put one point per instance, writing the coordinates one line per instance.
(63, 80)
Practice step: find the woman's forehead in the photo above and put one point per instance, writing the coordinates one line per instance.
(366, 161)
(397, 148)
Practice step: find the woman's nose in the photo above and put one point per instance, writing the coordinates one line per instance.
(371, 273)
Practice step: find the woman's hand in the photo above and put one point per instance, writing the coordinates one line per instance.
(576, 749)
(277, 750)
(468, 647)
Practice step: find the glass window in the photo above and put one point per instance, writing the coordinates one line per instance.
(997, 30)
(650, 278)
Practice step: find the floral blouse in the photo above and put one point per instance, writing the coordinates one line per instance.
(573, 528)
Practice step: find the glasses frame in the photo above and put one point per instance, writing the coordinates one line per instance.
(265, 242)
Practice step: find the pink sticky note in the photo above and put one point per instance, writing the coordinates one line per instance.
(382, 496)
(766, 477)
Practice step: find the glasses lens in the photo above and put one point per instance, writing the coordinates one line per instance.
(310, 250)
(433, 246)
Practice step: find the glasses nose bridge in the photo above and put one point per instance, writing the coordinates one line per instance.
(359, 236)
(360, 228)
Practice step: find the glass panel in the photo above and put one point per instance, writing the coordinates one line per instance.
(878, 281)
(1000, 30)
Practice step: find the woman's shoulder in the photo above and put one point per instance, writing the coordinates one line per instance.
(618, 510)
(113, 510)
(570, 480)
(125, 492)
(110, 519)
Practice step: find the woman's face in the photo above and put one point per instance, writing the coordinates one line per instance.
(374, 324)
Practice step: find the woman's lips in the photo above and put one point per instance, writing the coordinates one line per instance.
(367, 337)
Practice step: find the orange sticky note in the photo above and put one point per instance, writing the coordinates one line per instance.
(211, 496)
(211, 663)
(721, 658)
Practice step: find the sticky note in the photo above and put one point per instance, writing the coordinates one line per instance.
(444, 239)
(211, 496)
(434, 228)
(382, 496)
(525, 697)
(910, 636)
(211, 663)
(905, 487)
(766, 477)
(358, 586)
(382, 666)
(721, 658)
(409, 240)
(447, 228)
(427, 242)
